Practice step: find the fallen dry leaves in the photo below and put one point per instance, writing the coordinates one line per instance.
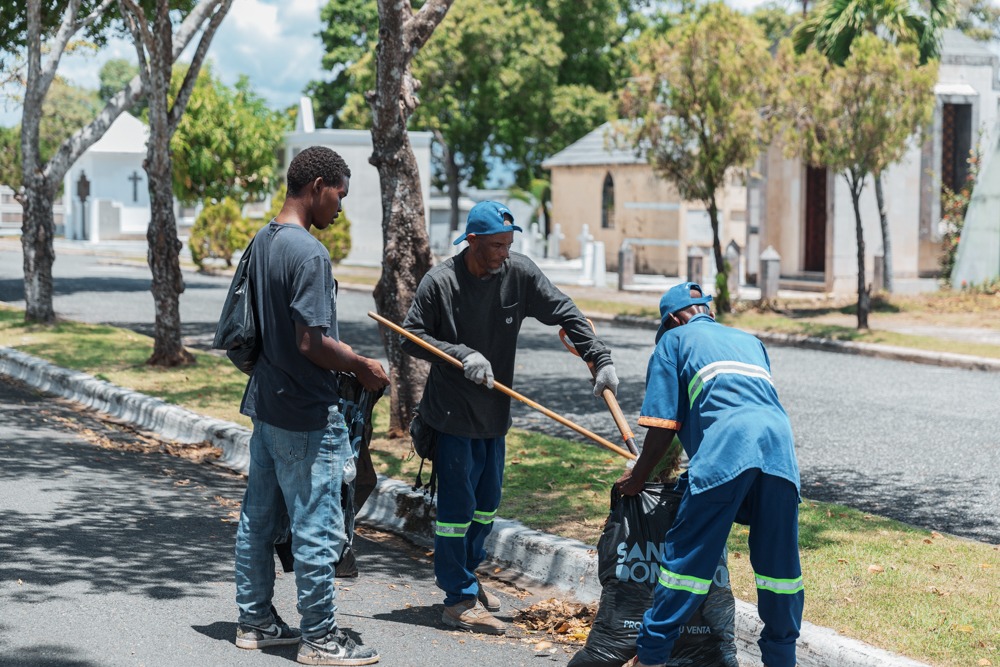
(567, 622)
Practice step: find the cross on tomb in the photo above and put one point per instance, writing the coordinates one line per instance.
(135, 178)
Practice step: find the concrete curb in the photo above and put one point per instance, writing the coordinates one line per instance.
(949, 359)
(568, 565)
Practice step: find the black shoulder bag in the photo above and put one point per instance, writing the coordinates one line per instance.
(237, 332)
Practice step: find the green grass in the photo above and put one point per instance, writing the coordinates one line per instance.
(931, 597)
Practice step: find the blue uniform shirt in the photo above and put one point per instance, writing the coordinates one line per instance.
(712, 384)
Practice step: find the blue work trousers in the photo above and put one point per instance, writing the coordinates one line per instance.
(769, 505)
(470, 477)
(307, 469)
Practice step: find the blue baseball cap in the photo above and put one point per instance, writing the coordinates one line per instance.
(678, 298)
(487, 217)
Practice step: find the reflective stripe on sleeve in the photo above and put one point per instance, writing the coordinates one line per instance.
(452, 529)
(721, 367)
(779, 586)
(682, 582)
(484, 517)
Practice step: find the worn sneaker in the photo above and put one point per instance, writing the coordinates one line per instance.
(472, 615)
(488, 599)
(336, 648)
(276, 634)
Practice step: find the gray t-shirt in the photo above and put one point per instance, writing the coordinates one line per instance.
(292, 278)
(459, 313)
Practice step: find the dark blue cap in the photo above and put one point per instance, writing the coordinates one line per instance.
(488, 217)
(678, 298)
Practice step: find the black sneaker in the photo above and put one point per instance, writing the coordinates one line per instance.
(275, 634)
(336, 648)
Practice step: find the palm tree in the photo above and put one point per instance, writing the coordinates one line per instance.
(832, 28)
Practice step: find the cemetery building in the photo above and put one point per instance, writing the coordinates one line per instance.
(806, 214)
(106, 192)
(610, 195)
(363, 205)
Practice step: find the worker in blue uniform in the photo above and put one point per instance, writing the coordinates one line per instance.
(710, 385)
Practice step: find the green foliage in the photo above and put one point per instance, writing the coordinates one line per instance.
(954, 206)
(218, 232)
(699, 103)
(336, 238)
(775, 20)
(115, 75)
(66, 109)
(227, 142)
(979, 19)
(515, 80)
(858, 118)
(834, 25)
(698, 98)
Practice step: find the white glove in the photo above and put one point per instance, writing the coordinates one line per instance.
(477, 368)
(606, 379)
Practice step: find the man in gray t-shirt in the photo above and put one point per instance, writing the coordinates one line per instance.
(471, 306)
(300, 442)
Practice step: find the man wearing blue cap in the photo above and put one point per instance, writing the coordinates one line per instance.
(471, 306)
(711, 386)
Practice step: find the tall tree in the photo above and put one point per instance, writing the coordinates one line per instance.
(226, 144)
(833, 28)
(858, 118)
(700, 105)
(407, 255)
(49, 31)
(153, 37)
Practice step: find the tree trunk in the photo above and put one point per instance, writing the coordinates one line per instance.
(454, 190)
(864, 293)
(153, 37)
(452, 180)
(722, 271)
(406, 256)
(164, 262)
(37, 231)
(883, 218)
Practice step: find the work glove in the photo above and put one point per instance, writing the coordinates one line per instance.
(605, 378)
(477, 368)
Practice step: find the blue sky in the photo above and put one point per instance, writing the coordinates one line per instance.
(273, 42)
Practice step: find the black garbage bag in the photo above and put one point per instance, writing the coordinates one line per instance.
(357, 404)
(628, 558)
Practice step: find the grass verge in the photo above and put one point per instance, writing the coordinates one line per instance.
(932, 597)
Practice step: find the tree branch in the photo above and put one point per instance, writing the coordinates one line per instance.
(187, 87)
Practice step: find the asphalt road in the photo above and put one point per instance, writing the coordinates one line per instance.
(917, 443)
(115, 554)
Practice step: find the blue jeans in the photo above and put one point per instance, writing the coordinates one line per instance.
(305, 468)
(470, 477)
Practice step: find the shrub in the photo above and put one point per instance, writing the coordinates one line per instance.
(219, 231)
(954, 205)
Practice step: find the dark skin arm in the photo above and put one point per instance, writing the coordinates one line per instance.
(656, 444)
(327, 353)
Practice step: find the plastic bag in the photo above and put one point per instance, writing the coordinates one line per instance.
(237, 329)
(629, 553)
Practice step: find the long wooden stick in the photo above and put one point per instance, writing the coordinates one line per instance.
(503, 388)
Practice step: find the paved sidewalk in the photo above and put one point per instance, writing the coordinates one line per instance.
(566, 565)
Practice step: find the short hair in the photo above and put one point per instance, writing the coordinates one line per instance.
(316, 162)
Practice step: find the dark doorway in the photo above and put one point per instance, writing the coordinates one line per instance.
(956, 142)
(815, 242)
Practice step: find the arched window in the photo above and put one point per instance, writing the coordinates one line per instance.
(608, 203)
